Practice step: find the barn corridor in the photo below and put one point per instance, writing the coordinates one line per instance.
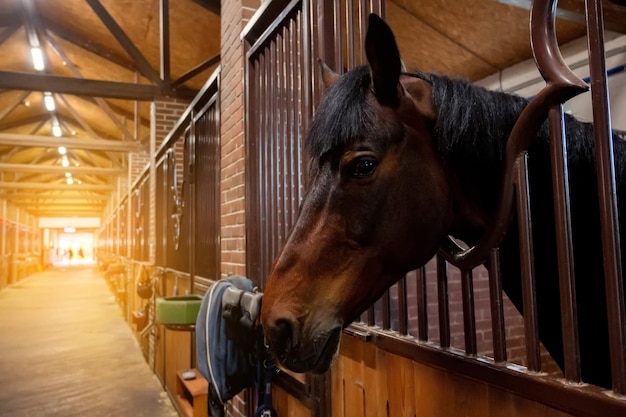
(65, 350)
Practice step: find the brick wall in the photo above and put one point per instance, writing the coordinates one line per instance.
(234, 16)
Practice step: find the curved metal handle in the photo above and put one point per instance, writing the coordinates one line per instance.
(561, 85)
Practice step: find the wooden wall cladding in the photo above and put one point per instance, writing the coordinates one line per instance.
(368, 381)
(287, 405)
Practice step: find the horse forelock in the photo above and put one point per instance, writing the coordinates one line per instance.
(343, 115)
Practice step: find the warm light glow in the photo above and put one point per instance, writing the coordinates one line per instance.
(65, 162)
(37, 59)
(69, 180)
(49, 102)
(68, 174)
(69, 229)
(62, 150)
(56, 130)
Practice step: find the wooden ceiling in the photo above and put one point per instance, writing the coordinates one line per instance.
(99, 57)
(103, 66)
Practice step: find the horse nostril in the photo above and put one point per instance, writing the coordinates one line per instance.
(281, 335)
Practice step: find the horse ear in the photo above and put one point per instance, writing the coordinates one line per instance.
(328, 76)
(383, 58)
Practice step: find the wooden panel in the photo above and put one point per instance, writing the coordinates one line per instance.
(368, 381)
(286, 405)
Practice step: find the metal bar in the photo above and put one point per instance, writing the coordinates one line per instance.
(17, 139)
(565, 255)
(363, 13)
(339, 45)
(126, 43)
(76, 86)
(164, 38)
(195, 71)
(307, 65)
(442, 298)
(403, 319)
(59, 169)
(349, 32)
(422, 304)
(386, 316)
(529, 292)
(497, 307)
(469, 316)
(605, 159)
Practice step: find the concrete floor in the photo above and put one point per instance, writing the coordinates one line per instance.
(66, 351)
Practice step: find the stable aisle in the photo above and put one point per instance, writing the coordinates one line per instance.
(65, 350)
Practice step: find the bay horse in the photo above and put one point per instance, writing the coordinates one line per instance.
(399, 162)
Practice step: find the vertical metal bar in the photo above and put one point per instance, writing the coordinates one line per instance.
(386, 303)
(529, 292)
(339, 33)
(362, 30)
(3, 242)
(164, 24)
(350, 32)
(192, 226)
(307, 67)
(469, 316)
(293, 120)
(442, 298)
(273, 151)
(565, 255)
(422, 304)
(497, 307)
(403, 318)
(605, 160)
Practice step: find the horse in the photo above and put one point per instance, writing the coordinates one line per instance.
(399, 162)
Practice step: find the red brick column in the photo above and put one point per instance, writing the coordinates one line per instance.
(234, 16)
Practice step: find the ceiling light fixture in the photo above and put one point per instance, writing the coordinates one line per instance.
(37, 55)
(49, 102)
(65, 162)
(62, 150)
(68, 174)
(69, 180)
(56, 130)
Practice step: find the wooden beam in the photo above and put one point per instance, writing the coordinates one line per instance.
(7, 33)
(53, 186)
(44, 197)
(46, 169)
(210, 5)
(89, 45)
(574, 11)
(14, 104)
(16, 139)
(142, 63)
(43, 117)
(195, 71)
(9, 19)
(77, 86)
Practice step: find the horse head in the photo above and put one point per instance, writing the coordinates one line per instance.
(377, 205)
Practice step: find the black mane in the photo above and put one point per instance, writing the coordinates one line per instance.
(343, 114)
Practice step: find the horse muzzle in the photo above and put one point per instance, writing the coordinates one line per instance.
(302, 354)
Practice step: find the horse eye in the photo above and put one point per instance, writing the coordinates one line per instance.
(363, 167)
